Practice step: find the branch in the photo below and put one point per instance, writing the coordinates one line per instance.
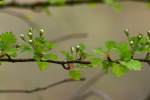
(40, 88)
(57, 62)
(42, 4)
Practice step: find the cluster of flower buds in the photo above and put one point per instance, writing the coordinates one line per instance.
(76, 51)
(29, 37)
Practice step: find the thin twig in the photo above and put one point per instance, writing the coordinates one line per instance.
(39, 89)
(56, 61)
(43, 4)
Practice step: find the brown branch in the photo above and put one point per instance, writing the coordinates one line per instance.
(57, 62)
(40, 88)
(42, 4)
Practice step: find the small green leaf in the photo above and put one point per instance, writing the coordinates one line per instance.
(96, 61)
(132, 64)
(105, 66)
(11, 52)
(42, 65)
(67, 55)
(7, 40)
(60, 2)
(118, 70)
(53, 56)
(25, 48)
(124, 51)
(111, 45)
(2, 2)
(114, 3)
(75, 74)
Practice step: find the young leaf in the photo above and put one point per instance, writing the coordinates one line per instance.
(53, 56)
(118, 70)
(75, 74)
(7, 40)
(42, 65)
(124, 51)
(67, 55)
(12, 52)
(132, 64)
(95, 61)
(111, 45)
(25, 48)
(60, 2)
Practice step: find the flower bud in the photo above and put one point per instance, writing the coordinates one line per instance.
(30, 41)
(126, 31)
(22, 36)
(77, 48)
(30, 35)
(131, 42)
(41, 32)
(72, 50)
(140, 36)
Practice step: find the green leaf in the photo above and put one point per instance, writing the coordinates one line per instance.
(118, 70)
(132, 64)
(124, 51)
(2, 2)
(96, 61)
(105, 66)
(75, 74)
(67, 55)
(42, 65)
(53, 56)
(111, 45)
(114, 3)
(60, 2)
(12, 52)
(25, 48)
(7, 40)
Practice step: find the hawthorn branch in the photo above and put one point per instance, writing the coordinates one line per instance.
(40, 88)
(43, 4)
(58, 61)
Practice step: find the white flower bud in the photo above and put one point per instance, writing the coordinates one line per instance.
(131, 42)
(30, 41)
(42, 30)
(140, 36)
(126, 30)
(30, 33)
(77, 48)
(22, 36)
(72, 49)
